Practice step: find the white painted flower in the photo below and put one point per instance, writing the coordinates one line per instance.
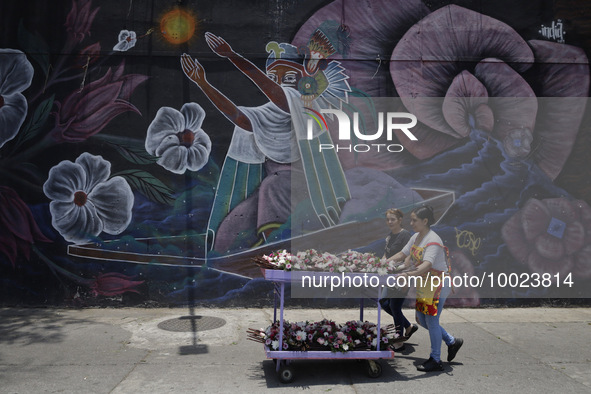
(127, 40)
(177, 138)
(275, 345)
(16, 74)
(85, 201)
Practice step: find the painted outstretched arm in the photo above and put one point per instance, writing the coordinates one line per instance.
(193, 69)
(273, 91)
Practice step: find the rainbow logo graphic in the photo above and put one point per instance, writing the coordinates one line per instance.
(317, 116)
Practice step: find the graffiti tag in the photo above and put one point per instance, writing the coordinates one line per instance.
(466, 240)
(553, 31)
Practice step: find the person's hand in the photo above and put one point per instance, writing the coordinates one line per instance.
(192, 69)
(218, 45)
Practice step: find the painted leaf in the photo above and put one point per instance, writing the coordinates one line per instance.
(133, 152)
(148, 185)
(35, 46)
(36, 123)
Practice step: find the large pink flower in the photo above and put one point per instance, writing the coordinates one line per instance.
(551, 236)
(83, 114)
(80, 19)
(455, 79)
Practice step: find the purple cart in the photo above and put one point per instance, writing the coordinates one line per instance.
(283, 357)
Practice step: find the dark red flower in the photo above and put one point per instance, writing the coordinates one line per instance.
(87, 112)
(113, 283)
(80, 19)
(18, 229)
(88, 55)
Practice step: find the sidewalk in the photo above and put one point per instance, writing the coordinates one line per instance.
(531, 350)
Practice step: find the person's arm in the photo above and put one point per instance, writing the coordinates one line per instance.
(272, 90)
(400, 256)
(193, 69)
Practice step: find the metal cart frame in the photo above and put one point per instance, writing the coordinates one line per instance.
(283, 357)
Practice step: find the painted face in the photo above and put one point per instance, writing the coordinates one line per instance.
(417, 223)
(393, 222)
(285, 75)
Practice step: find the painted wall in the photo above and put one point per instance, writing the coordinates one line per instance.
(150, 149)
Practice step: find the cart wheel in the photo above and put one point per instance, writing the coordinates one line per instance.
(285, 374)
(374, 369)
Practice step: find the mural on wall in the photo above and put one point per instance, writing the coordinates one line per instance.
(151, 159)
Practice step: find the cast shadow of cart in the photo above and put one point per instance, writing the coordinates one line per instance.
(311, 373)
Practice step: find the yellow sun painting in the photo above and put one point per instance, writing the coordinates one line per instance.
(177, 26)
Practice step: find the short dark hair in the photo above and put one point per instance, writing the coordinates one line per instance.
(425, 212)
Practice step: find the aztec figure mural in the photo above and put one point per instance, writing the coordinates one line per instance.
(148, 151)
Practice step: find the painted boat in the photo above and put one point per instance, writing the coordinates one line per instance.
(336, 239)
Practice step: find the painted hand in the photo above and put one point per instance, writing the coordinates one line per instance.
(192, 69)
(218, 45)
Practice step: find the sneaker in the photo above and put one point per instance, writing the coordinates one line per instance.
(398, 349)
(452, 349)
(430, 366)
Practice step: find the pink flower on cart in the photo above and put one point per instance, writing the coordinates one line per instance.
(16, 74)
(551, 236)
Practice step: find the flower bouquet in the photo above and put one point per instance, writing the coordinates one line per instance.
(313, 260)
(325, 335)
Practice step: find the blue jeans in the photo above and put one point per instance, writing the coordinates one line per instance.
(436, 332)
(393, 306)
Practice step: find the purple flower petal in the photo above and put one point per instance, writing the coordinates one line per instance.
(513, 234)
(432, 53)
(513, 102)
(561, 209)
(574, 237)
(535, 218)
(541, 265)
(549, 246)
(563, 73)
(467, 96)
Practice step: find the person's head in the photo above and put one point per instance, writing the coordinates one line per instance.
(394, 219)
(286, 74)
(284, 64)
(422, 218)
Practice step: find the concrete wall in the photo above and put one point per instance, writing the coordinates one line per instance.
(129, 175)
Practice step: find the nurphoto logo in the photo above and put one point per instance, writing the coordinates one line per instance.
(392, 120)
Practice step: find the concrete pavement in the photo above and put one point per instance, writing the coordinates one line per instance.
(528, 350)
